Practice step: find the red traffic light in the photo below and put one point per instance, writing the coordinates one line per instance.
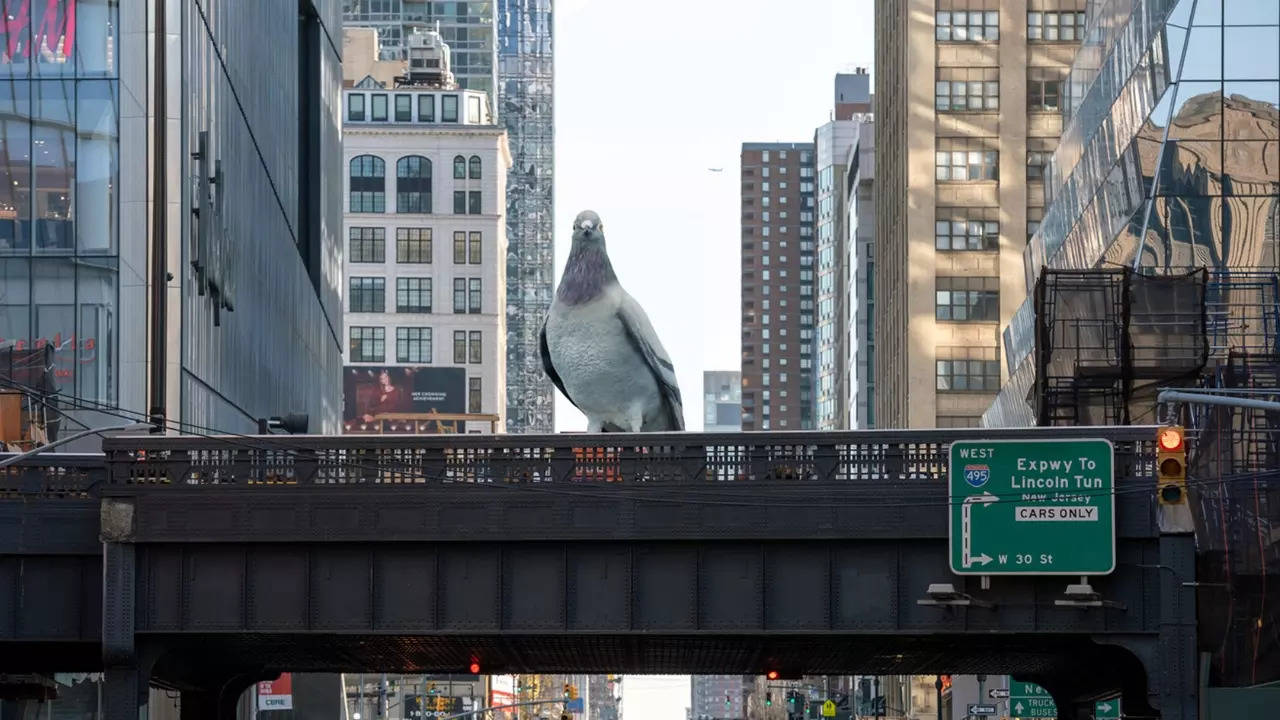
(1170, 439)
(772, 674)
(475, 668)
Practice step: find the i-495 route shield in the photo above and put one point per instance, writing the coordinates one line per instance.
(1032, 507)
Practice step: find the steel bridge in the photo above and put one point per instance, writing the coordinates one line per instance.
(203, 564)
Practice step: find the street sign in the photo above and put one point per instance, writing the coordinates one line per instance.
(574, 705)
(1032, 507)
(1029, 700)
(828, 709)
(982, 709)
(998, 693)
(1108, 709)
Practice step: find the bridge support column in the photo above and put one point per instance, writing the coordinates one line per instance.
(1177, 674)
(125, 692)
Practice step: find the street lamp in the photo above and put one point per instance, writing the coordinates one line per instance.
(131, 427)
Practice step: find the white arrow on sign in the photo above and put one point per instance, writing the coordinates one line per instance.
(1017, 707)
(1104, 707)
(966, 558)
(998, 693)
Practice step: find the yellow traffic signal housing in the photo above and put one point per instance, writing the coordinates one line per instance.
(1171, 465)
(567, 689)
(573, 692)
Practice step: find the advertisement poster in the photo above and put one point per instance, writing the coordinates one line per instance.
(502, 690)
(371, 393)
(276, 694)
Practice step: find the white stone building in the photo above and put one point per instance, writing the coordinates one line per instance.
(425, 247)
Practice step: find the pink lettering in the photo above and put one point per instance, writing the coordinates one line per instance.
(55, 28)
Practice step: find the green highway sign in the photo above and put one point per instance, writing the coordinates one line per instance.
(1032, 507)
(1108, 709)
(1029, 700)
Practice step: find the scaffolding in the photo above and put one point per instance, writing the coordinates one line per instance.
(1106, 342)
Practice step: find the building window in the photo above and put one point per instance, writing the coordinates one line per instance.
(967, 159)
(367, 344)
(413, 345)
(368, 184)
(413, 245)
(475, 353)
(968, 26)
(413, 184)
(404, 108)
(1044, 89)
(426, 108)
(473, 202)
(449, 108)
(955, 421)
(1034, 216)
(473, 110)
(459, 247)
(459, 202)
(466, 247)
(1064, 26)
(368, 245)
(368, 294)
(413, 295)
(967, 229)
(473, 167)
(473, 295)
(355, 107)
(968, 369)
(968, 299)
(967, 89)
(1039, 151)
(473, 396)
(460, 347)
(459, 167)
(378, 108)
(459, 295)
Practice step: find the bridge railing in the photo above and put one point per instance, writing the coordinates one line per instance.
(876, 456)
(54, 476)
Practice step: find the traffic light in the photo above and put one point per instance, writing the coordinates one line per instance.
(573, 692)
(475, 668)
(566, 690)
(1171, 465)
(772, 674)
(768, 699)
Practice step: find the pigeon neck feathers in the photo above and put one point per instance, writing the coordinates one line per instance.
(586, 274)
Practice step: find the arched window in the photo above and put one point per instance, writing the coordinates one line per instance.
(413, 184)
(459, 167)
(473, 170)
(368, 184)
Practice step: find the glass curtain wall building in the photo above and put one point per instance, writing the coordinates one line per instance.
(252, 312)
(1170, 156)
(60, 190)
(505, 48)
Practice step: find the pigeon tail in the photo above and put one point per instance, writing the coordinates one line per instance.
(586, 274)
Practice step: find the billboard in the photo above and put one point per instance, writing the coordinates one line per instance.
(372, 392)
(276, 694)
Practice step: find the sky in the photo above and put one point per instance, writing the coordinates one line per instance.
(645, 104)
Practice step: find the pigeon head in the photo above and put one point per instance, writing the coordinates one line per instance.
(587, 228)
(588, 271)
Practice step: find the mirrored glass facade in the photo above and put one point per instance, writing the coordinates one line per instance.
(59, 185)
(1170, 159)
(525, 100)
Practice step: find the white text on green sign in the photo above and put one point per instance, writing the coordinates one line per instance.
(1032, 507)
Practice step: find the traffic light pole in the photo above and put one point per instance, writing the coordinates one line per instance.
(1204, 398)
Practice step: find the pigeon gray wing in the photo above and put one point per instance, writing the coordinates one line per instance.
(546, 363)
(643, 338)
